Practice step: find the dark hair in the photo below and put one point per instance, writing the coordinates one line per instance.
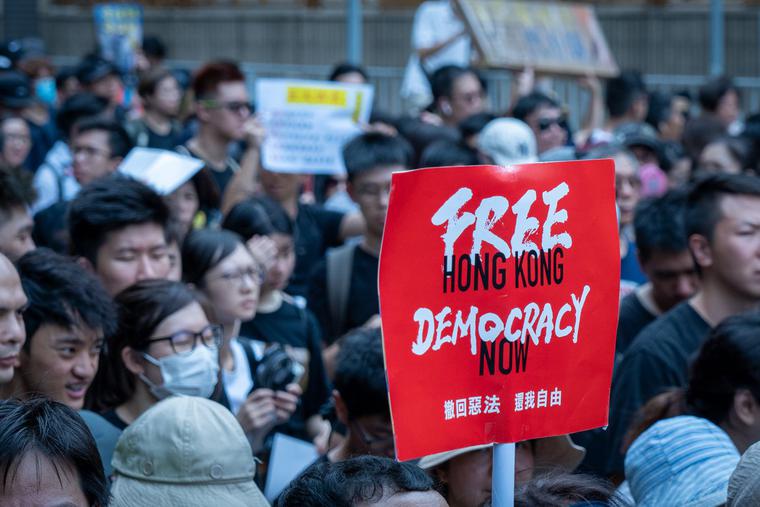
(210, 76)
(111, 204)
(703, 203)
(360, 374)
(347, 68)
(738, 148)
(56, 432)
(727, 361)
(474, 123)
(203, 249)
(565, 489)
(64, 74)
(443, 79)
(528, 104)
(151, 79)
(372, 150)
(699, 132)
(154, 47)
(622, 91)
(610, 150)
(660, 104)
(16, 189)
(63, 293)
(141, 308)
(444, 153)
(78, 106)
(714, 90)
(659, 225)
(258, 216)
(360, 480)
(119, 142)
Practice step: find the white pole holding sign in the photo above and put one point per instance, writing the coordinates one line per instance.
(503, 475)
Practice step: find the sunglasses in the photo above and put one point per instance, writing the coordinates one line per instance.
(546, 123)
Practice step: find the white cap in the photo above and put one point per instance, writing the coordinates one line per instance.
(508, 141)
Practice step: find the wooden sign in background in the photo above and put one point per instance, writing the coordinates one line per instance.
(552, 38)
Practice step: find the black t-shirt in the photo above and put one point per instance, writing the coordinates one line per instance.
(112, 417)
(658, 359)
(363, 301)
(162, 141)
(297, 327)
(316, 230)
(221, 177)
(633, 318)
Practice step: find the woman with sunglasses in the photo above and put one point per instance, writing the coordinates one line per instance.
(221, 266)
(164, 346)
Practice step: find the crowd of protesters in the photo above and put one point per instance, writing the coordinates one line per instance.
(152, 346)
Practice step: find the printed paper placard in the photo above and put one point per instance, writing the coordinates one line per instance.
(308, 122)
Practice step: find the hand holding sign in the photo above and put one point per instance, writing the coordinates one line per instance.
(505, 331)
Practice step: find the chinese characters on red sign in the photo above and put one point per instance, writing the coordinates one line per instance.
(499, 295)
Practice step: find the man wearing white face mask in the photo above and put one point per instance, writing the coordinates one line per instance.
(164, 346)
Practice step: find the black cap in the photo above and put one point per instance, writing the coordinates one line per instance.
(93, 69)
(15, 90)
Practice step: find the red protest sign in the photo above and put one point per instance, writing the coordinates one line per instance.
(499, 298)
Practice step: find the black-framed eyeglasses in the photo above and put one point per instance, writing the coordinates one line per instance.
(184, 342)
(233, 106)
(373, 441)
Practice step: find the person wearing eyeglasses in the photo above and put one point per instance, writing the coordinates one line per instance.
(164, 345)
(545, 117)
(221, 266)
(98, 147)
(223, 111)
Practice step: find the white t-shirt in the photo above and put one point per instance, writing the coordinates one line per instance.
(434, 22)
(238, 382)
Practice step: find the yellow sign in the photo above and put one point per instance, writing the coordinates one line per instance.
(316, 96)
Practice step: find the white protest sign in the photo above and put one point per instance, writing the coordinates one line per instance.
(308, 122)
(164, 171)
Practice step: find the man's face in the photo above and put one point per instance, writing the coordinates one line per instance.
(107, 87)
(545, 122)
(673, 276)
(228, 111)
(61, 363)
(37, 481)
(734, 252)
(468, 478)
(467, 98)
(12, 334)
(92, 156)
(17, 141)
(370, 190)
(134, 253)
(16, 232)
(728, 108)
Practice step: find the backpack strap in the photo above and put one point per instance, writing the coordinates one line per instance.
(339, 261)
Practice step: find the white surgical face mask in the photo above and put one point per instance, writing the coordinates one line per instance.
(194, 374)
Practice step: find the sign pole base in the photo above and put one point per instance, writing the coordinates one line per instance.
(503, 475)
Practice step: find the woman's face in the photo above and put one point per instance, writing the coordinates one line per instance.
(17, 141)
(233, 286)
(167, 97)
(183, 204)
(284, 262)
(717, 158)
(191, 318)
